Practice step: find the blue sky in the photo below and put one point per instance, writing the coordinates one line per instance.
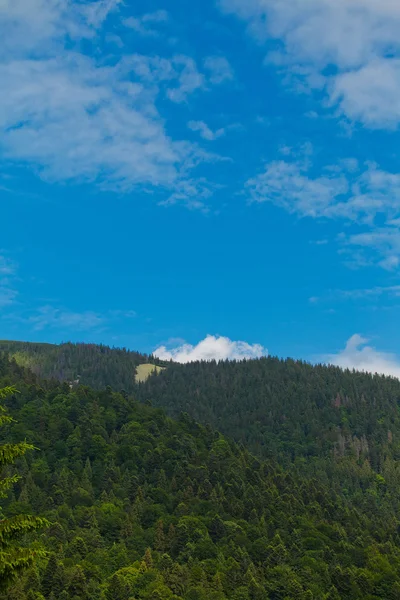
(172, 171)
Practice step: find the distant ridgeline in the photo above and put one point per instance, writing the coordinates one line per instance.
(144, 507)
(288, 409)
(88, 364)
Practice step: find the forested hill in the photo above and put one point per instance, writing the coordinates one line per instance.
(147, 508)
(88, 364)
(287, 409)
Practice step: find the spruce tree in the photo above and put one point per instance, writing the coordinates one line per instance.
(14, 558)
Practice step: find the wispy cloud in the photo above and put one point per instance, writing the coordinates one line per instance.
(289, 185)
(334, 192)
(97, 12)
(219, 68)
(123, 314)
(367, 197)
(8, 291)
(365, 295)
(179, 73)
(7, 266)
(211, 348)
(8, 296)
(205, 132)
(383, 241)
(56, 318)
(72, 117)
(49, 316)
(358, 37)
(62, 319)
(146, 24)
(358, 355)
(189, 79)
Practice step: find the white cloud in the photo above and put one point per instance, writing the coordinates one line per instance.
(72, 116)
(219, 69)
(189, 79)
(97, 12)
(334, 192)
(361, 357)
(359, 37)
(212, 348)
(205, 132)
(370, 94)
(289, 185)
(180, 70)
(43, 25)
(383, 242)
(144, 25)
(366, 197)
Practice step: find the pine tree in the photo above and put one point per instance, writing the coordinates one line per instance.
(48, 575)
(117, 589)
(159, 538)
(13, 558)
(148, 559)
(77, 585)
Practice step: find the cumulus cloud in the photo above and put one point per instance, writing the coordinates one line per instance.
(360, 356)
(359, 37)
(211, 348)
(76, 116)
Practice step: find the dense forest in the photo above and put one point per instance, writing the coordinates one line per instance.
(286, 408)
(88, 364)
(143, 506)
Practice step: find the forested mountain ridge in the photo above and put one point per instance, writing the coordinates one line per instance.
(317, 417)
(285, 408)
(340, 427)
(144, 507)
(89, 364)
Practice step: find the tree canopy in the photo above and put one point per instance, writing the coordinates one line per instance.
(143, 506)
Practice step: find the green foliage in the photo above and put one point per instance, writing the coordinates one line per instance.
(14, 558)
(144, 507)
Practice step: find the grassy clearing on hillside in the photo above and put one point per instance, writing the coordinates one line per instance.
(143, 372)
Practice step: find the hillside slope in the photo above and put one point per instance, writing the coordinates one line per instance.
(144, 507)
(286, 408)
(88, 364)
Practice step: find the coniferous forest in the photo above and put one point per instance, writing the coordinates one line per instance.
(263, 480)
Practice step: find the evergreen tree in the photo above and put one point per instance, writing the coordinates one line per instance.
(14, 558)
